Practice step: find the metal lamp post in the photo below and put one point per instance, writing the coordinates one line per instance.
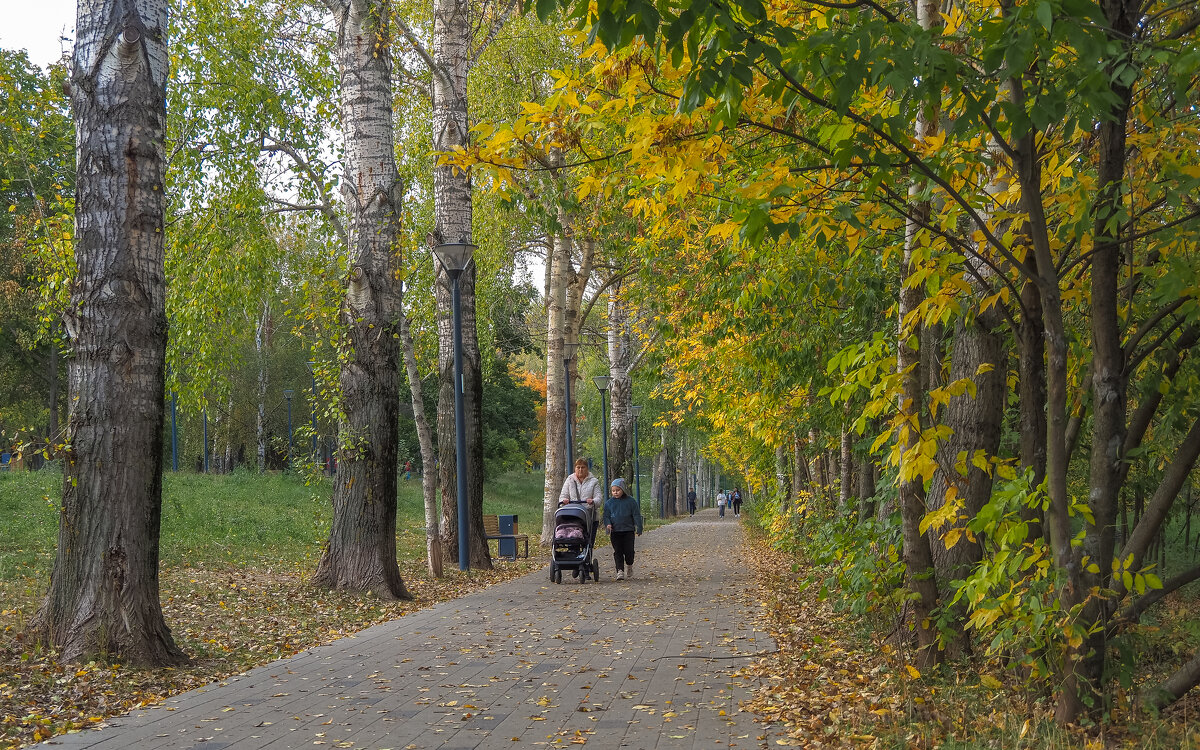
(569, 351)
(287, 394)
(637, 466)
(454, 257)
(601, 382)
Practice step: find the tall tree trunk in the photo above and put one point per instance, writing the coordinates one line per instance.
(260, 422)
(103, 598)
(975, 418)
(671, 472)
(801, 479)
(782, 485)
(1032, 395)
(975, 422)
(564, 295)
(453, 212)
(52, 436)
(556, 375)
(1085, 665)
(918, 559)
(846, 473)
(228, 457)
(620, 361)
(433, 536)
(361, 552)
(866, 489)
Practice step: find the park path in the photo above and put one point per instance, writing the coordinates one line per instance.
(643, 664)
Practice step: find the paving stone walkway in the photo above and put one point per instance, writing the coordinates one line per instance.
(646, 663)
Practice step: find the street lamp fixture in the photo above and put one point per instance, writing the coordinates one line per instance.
(454, 257)
(569, 352)
(287, 394)
(602, 382)
(637, 466)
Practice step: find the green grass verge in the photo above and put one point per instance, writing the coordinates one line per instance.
(236, 520)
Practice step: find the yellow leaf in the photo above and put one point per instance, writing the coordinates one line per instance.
(913, 672)
(990, 682)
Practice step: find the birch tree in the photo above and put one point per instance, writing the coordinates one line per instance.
(361, 552)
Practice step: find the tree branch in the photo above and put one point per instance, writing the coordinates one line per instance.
(1134, 611)
(1158, 507)
(326, 206)
(423, 53)
(493, 32)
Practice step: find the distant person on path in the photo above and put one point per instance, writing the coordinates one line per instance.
(407, 470)
(721, 503)
(737, 502)
(582, 487)
(691, 497)
(622, 519)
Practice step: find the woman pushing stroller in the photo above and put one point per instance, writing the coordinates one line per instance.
(622, 519)
(582, 487)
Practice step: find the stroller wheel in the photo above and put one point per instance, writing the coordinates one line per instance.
(583, 574)
(596, 569)
(553, 570)
(558, 575)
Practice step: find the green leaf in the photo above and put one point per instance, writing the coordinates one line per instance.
(1045, 15)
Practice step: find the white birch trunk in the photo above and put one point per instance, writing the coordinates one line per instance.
(453, 209)
(556, 407)
(620, 360)
(433, 536)
(361, 553)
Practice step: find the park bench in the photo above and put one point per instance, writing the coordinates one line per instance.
(491, 530)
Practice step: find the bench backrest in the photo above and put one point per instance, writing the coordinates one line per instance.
(491, 525)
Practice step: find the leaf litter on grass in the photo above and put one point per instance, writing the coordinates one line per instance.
(228, 620)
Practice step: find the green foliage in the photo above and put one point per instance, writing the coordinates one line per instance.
(37, 148)
(508, 421)
(1011, 596)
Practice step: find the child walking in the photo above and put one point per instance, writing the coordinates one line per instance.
(622, 518)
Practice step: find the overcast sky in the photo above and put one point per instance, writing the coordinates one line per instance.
(36, 25)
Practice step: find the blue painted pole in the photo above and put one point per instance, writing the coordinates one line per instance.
(460, 431)
(567, 416)
(604, 440)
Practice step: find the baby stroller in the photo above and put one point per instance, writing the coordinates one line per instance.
(572, 547)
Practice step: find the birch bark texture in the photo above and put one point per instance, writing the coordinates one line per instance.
(564, 314)
(556, 407)
(361, 552)
(433, 534)
(620, 365)
(103, 598)
(453, 215)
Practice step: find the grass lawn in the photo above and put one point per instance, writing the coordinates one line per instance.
(236, 553)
